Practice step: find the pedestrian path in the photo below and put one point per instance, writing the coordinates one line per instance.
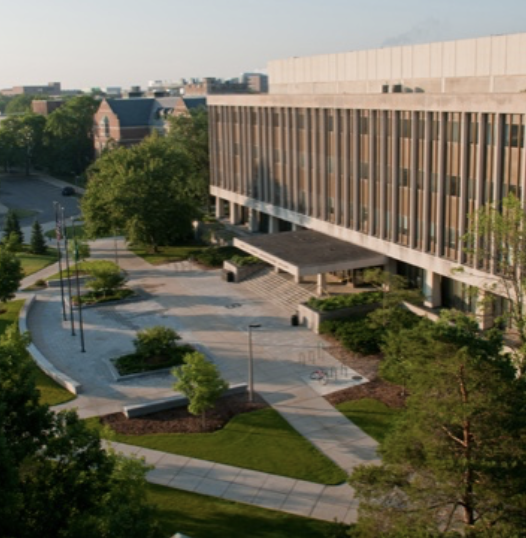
(329, 503)
(214, 316)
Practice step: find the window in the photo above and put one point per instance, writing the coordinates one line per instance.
(105, 126)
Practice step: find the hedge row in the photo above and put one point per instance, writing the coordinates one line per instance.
(337, 302)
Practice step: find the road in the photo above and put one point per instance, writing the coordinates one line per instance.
(17, 191)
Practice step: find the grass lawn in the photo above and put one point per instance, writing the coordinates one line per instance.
(32, 263)
(24, 213)
(261, 440)
(79, 232)
(167, 254)
(373, 417)
(200, 516)
(50, 392)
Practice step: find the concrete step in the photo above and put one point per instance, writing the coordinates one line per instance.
(280, 289)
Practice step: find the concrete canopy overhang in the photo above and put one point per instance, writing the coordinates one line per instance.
(305, 252)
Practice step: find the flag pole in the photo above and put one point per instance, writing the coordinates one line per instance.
(58, 235)
(81, 326)
(65, 231)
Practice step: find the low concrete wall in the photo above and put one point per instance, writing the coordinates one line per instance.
(62, 379)
(56, 283)
(312, 318)
(241, 272)
(139, 410)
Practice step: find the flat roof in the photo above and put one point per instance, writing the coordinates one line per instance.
(306, 252)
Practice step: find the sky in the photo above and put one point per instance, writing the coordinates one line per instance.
(100, 43)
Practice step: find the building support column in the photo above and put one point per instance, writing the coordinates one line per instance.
(433, 297)
(273, 225)
(234, 213)
(485, 316)
(220, 208)
(321, 282)
(253, 220)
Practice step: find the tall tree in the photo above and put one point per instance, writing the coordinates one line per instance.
(11, 274)
(496, 241)
(12, 226)
(25, 133)
(59, 480)
(69, 135)
(456, 461)
(37, 244)
(143, 191)
(189, 133)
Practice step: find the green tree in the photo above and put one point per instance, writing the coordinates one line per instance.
(105, 276)
(156, 341)
(79, 250)
(143, 191)
(12, 274)
(19, 104)
(200, 381)
(496, 241)
(12, 226)
(395, 292)
(57, 479)
(189, 134)
(25, 134)
(69, 135)
(37, 244)
(455, 461)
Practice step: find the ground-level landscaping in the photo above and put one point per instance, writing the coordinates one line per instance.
(32, 263)
(201, 516)
(239, 434)
(50, 392)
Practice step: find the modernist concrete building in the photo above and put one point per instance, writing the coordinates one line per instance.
(390, 150)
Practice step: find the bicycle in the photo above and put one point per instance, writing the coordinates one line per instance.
(321, 375)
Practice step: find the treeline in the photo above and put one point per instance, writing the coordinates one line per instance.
(61, 143)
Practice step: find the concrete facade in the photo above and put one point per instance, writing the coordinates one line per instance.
(396, 173)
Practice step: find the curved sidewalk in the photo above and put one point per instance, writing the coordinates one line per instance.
(214, 316)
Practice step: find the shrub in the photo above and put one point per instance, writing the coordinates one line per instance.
(155, 341)
(106, 276)
(215, 256)
(338, 302)
(241, 260)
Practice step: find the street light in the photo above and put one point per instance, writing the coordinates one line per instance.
(251, 362)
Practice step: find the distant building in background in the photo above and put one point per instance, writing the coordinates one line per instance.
(256, 82)
(45, 107)
(214, 86)
(52, 88)
(125, 122)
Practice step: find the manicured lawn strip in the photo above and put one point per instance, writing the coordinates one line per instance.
(200, 516)
(50, 392)
(373, 417)
(31, 263)
(261, 440)
(24, 213)
(167, 254)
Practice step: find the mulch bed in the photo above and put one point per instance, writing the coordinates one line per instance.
(179, 420)
(378, 389)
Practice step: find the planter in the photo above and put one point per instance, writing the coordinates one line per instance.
(313, 318)
(240, 272)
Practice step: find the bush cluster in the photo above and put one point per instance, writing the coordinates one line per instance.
(155, 341)
(215, 256)
(337, 302)
(241, 260)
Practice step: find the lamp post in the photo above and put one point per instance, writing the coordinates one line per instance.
(251, 362)
(81, 326)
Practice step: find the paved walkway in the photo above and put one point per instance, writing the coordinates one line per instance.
(246, 486)
(214, 316)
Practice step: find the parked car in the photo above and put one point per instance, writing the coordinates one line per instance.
(68, 191)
